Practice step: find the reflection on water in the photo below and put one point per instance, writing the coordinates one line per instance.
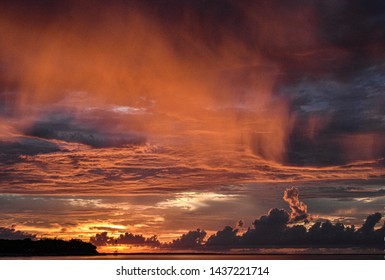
(353, 253)
(211, 257)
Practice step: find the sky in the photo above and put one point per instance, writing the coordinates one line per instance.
(162, 117)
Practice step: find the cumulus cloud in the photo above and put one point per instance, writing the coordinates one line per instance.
(274, 228)
(129, 238)
(370, 222)
(271, 229)
(226, 237)
(102, 239)
(13, 234)
(192, 239)
(267, 229)
(298, 208)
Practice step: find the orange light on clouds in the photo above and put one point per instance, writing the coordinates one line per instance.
(125, 119)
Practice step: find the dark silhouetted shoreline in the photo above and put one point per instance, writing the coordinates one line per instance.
(46, 247)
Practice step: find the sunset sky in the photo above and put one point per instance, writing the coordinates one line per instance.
(161, 117)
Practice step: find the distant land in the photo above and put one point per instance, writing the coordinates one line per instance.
(46, 247)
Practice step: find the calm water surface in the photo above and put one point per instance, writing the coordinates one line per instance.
(208, 257)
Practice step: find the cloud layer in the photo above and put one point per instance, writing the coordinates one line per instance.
(146, 115)
(218, 72)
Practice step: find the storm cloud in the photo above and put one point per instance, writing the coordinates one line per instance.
(303, 93)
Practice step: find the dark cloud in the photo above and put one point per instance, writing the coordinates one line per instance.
(192, 239)
(328, 233)
(102, 239)
(13, 234)
(314, 26)
(276, 228)
(271, 229)
(129, 238)
(12, 148)
(226, 237)
(355, 25)
(370, 222)
(339, 107)
(267, 229)
(343, 193)
(276, 218)
(333, 117)
(67, 128)
(240, 224)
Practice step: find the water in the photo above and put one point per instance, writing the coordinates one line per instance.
(208, 257)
